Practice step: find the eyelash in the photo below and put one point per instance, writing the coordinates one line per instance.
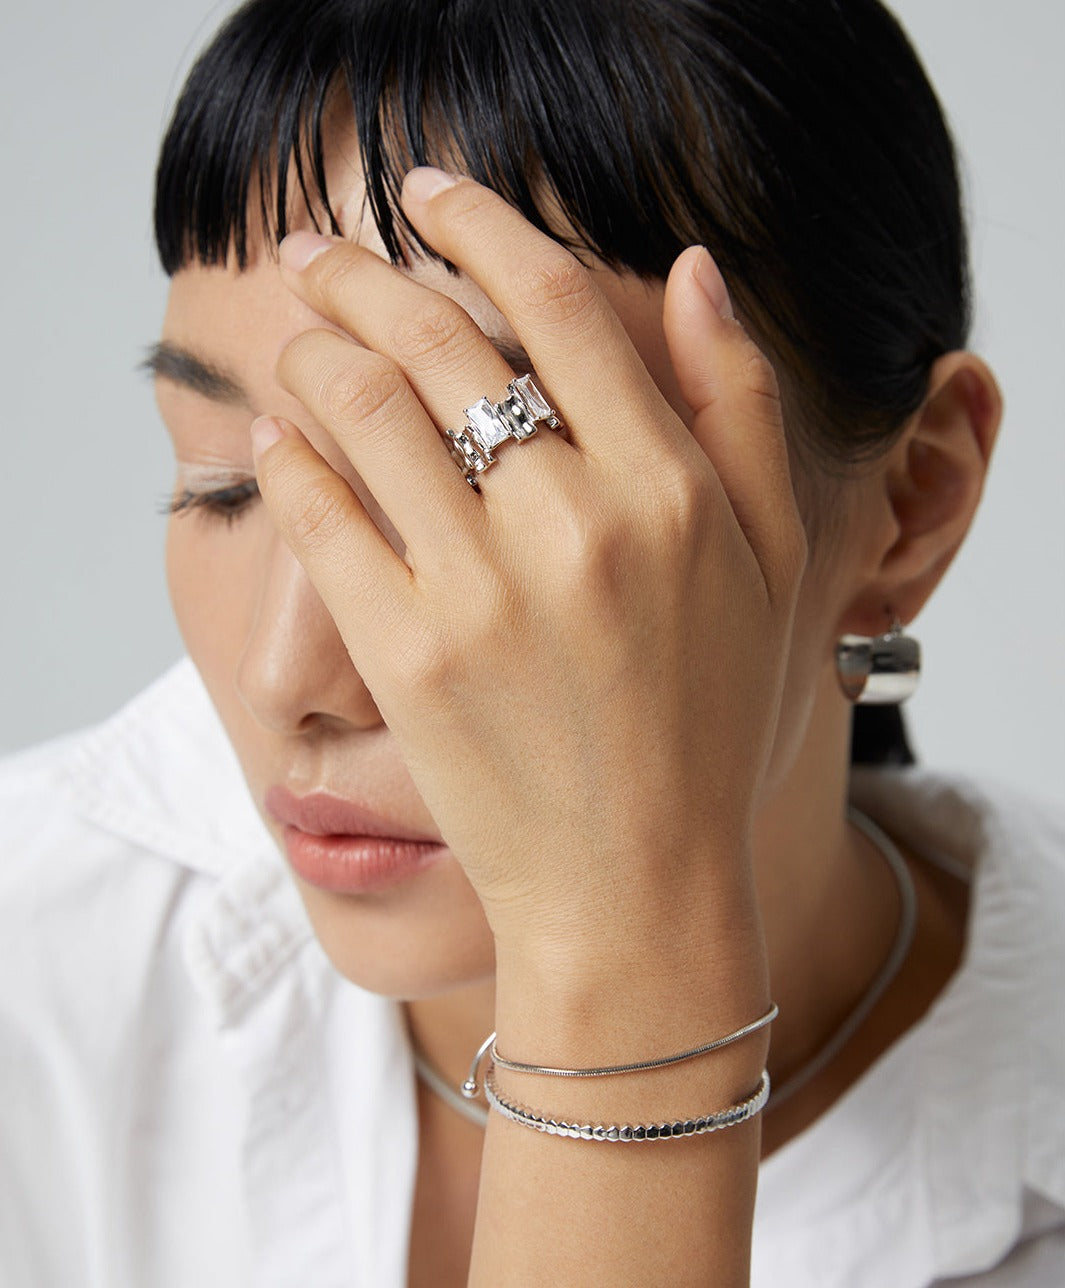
(225, 503)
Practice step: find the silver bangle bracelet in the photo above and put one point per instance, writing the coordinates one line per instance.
(730, 1117)
(488, 1047)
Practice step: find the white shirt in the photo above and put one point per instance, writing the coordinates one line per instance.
(190, 1094)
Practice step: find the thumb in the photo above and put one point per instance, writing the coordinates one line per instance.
(732, 389)
(697, 307)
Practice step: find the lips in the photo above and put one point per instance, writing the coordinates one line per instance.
(345, 847)
(323, 815)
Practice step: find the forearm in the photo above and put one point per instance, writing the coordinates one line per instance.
(583, 681)
(678, 1211)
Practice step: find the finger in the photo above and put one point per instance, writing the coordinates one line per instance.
(365, 403)
(552, 303)
(448, 361)
(732, 389)
(355, 571)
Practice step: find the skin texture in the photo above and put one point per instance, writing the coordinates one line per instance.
(407, 638)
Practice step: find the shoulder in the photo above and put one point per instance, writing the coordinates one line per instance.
(991, 1053)
(936, 1162)
(105, 837)
(986, 830)
(1010, 847)
(121, 854)
(114, 842)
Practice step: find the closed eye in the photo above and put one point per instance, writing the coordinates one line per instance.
(227, 503)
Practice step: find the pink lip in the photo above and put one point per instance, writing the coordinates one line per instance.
(325, 815)
(345, 847)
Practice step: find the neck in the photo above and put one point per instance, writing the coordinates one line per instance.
(829, 907)
(448, 1029)
(830, 904)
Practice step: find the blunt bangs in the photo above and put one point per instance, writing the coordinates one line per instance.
(559, 107)
(798, 139)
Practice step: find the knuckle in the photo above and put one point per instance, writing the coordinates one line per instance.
(682, 496)
(423, 665)
(299, 358)
(317, 519)
(758, 379)
(334, 273)
(557, 287)
(591, 551)
(360, 391)
(443, 330)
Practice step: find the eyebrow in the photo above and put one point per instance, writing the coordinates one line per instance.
(173, 362)
(167, 361)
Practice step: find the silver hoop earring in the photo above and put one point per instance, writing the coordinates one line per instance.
(879, 670)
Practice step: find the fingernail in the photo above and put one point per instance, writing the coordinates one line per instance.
(425, 181)
(708, 275)
(298, 249)
(265, 432)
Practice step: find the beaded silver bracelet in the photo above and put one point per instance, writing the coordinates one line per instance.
(730, 1117)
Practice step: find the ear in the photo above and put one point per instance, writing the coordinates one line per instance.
(930, 485)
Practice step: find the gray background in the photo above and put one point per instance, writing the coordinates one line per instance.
(84, 95)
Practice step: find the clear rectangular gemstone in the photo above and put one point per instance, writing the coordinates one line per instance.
(531, 397)
(488, 428)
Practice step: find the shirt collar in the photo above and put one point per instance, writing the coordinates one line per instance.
(161, 773)
(933, 1149)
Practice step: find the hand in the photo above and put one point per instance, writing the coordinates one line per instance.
(582, 665)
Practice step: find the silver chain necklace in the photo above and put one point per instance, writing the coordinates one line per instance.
(884, 976)
(884, 845)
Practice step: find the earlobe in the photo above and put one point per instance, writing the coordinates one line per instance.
(933, 480)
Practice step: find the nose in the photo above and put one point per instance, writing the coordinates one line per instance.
(295, 674)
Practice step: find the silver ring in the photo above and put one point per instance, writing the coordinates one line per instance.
(488, 424)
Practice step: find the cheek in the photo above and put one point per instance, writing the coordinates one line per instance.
(209, 576)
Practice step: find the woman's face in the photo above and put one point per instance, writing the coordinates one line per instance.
(294, 707)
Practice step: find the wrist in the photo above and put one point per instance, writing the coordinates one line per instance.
(634, 988)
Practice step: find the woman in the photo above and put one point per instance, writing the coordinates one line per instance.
(563, 754)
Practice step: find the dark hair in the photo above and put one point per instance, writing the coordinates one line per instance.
(799, 139)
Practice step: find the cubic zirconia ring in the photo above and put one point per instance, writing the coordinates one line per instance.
(518, 416)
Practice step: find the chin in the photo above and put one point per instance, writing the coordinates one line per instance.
(416, 943)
